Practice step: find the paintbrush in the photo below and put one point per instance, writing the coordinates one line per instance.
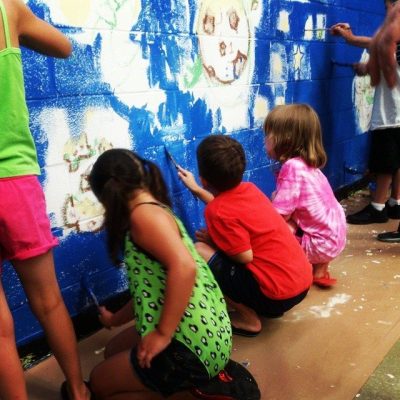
(324, 29)
(172, 159)
(89, 290)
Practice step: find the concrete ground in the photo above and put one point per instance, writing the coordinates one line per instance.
(339, 344)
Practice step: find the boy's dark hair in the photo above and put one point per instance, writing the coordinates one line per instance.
(221, 161)
(114, 177)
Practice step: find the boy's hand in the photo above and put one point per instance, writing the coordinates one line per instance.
(188, 179)
(151, 345)
(202, 235)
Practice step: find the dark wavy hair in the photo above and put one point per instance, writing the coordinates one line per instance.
(221, 161)
(114, 177)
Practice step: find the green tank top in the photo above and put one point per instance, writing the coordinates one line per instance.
(205, 326)
(17, 149)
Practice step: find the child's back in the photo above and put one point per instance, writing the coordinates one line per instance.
(242, 218)
(304, 193)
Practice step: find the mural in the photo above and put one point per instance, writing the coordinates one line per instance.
(151, 74)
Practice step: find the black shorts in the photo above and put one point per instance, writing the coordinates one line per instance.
(173, 370)
(384, 156)
(239, 284)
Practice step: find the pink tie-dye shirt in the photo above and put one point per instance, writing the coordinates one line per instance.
(305, 194)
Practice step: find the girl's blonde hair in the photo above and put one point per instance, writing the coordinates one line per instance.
(295, 131)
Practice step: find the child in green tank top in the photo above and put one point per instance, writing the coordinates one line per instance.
(25, 236)
(182, 336)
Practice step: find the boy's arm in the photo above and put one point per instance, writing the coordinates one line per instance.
(343, 29)
(243, 257)
(190, 182)
(39, 35)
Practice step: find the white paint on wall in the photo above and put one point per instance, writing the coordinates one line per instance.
(278, 63)
(308, 28)
(301, 62)
(363, 97)
(225, 32)
(283, 21)
(68, 160)
(261, 109)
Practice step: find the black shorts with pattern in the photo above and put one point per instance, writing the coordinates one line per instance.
(173, 370)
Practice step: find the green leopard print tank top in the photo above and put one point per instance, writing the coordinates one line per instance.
(205, 326)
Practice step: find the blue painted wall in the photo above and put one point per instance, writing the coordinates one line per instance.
(150, 73)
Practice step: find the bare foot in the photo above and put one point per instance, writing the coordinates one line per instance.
(249, 324)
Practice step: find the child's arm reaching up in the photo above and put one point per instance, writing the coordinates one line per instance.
(190, 182)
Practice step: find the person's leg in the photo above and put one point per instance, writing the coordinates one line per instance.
(383, 182)
(205, 250)
(395, 193)
(12, 383)
(39, 280)
(376, 211)
(243, 317)
(381, 163)
(125, 340)
(115, 379)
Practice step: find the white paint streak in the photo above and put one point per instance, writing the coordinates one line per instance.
(283, 21)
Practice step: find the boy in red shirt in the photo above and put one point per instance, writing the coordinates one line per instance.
(257, 261)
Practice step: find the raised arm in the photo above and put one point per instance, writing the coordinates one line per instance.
(190, 182)
(39, 35)
(344, 30)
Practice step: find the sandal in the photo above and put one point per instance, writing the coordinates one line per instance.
(244, 332)
(324, 281)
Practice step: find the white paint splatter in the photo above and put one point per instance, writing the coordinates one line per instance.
(325, 311)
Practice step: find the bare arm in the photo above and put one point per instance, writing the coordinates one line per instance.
(244, 257)
(39, 35)
(156, 232)
(343, 29)
(122, 316)
(382, 48)
(190, 182)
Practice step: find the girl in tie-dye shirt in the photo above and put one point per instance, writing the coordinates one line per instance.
(303, 195)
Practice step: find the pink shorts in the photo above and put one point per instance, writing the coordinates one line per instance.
(24, 223)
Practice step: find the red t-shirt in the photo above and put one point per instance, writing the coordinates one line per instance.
(243, 219)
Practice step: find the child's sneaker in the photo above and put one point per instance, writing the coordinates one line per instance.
(233, 383)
